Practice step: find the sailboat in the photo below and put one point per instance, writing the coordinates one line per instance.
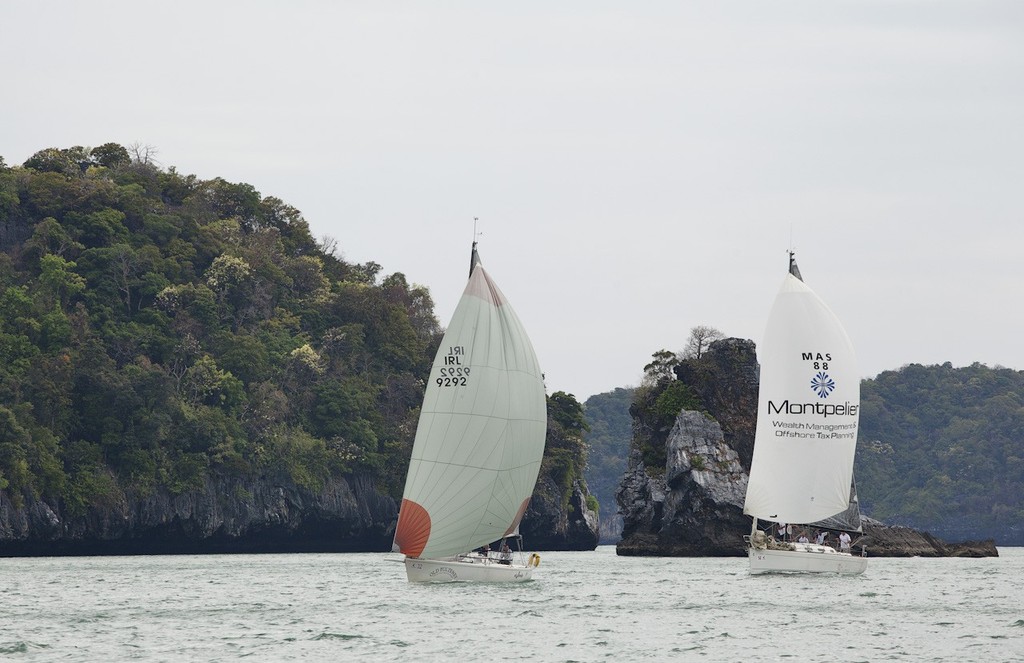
(807, 416)
(478, 446)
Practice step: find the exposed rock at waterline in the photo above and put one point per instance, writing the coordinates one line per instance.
(551, 525)
(256, 515)
(226, 515)
(883, 540)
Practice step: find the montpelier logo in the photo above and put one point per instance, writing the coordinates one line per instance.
(822, 384)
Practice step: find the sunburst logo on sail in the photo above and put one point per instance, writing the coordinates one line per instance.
(822, 384)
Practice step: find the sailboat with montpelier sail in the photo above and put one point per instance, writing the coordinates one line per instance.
(478, 446)
(806, 437)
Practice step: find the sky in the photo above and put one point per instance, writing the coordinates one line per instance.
(637, 168)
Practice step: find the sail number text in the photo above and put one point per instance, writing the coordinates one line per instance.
(820, 359)
(452, 373)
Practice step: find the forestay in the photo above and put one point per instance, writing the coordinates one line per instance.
(808, 412)
(480, 438)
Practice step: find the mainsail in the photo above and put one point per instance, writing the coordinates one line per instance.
(808, 412)
(480, 438)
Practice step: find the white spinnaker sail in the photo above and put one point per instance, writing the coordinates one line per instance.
(481, 431)
(807, 414)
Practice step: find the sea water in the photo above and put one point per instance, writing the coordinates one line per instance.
(581, 606)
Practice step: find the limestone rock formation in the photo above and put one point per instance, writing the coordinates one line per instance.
(551, 525)
(695, 508)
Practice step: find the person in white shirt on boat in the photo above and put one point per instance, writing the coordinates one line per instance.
(820, 539)
(803, 538)
(844, 542)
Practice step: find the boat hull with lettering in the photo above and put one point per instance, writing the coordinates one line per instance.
(467, 569)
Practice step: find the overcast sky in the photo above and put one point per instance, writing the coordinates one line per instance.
(637, 168)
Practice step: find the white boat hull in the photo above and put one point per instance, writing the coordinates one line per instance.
(805, 558)
(470, 569)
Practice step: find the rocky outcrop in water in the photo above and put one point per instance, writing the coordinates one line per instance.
(695, 507)
(691, 502)
(883, 540)
(551, 525)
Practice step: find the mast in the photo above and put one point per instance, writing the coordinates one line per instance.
(474, 258)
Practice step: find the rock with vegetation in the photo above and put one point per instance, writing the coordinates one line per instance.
(177, 351)
(683, 491)
(692, 505)
(562, 515)
(554, 523)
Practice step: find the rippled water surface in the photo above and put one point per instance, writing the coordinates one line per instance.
(580, 607)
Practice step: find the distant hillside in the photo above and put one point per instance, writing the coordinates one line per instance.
(942, 449)
(608, 439)
(158, 331)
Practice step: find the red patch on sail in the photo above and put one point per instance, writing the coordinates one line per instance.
(413, 528)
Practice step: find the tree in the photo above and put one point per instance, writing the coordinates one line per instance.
(144, 155)
(50, 236)
(51, 160)
(660, 368)
(111, 155)
(701, 337)
(58, 279)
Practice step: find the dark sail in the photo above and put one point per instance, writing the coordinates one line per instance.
(793, 269)
(848, 520)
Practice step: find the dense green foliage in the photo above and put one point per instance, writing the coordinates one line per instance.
(156, 328)
(942, 449)
(565, 453)
(611, 429)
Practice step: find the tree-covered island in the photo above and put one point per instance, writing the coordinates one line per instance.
(182, 361)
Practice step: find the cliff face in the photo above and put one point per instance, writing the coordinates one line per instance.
(551, 525)
(695, 508)
(693, 505)
(254, 515)
(725, 380)
(227, 515)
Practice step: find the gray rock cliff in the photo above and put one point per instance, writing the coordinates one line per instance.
(551, 525)
(695, 508)
(255, 515)
(226, 515)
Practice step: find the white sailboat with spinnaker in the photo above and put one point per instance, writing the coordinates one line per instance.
(478, 446)
(807, 418)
